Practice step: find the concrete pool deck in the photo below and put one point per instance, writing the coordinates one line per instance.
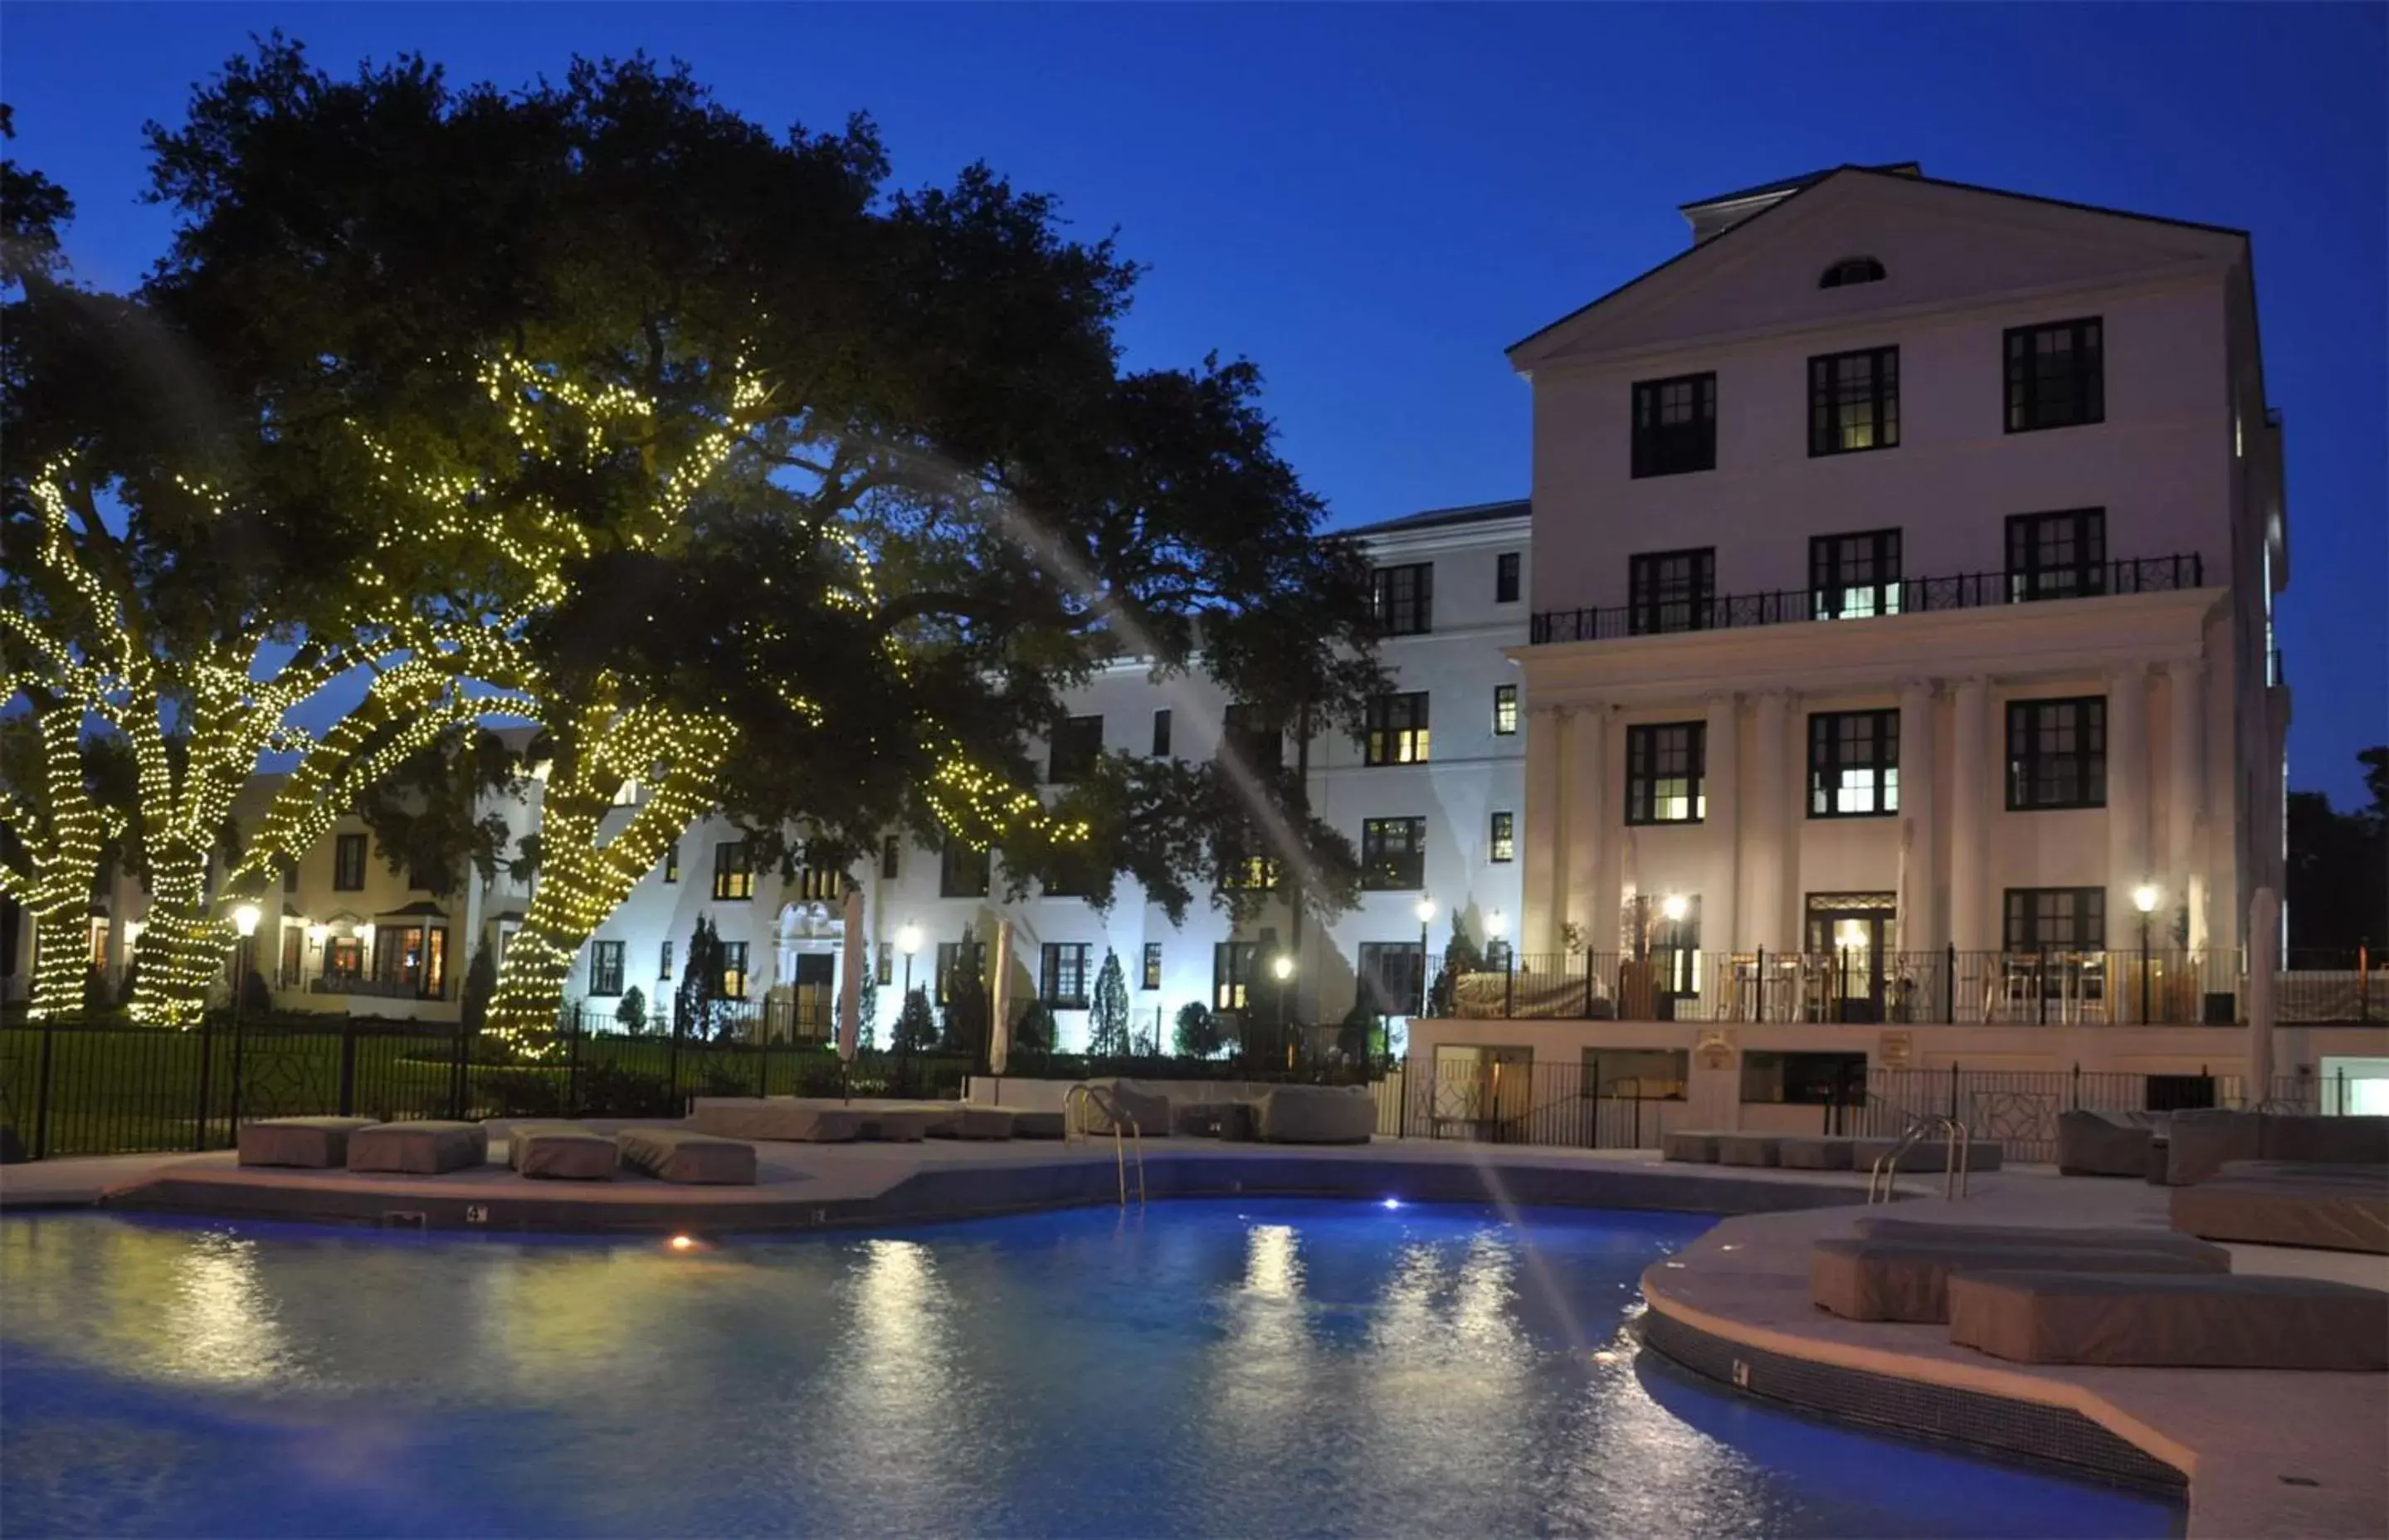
(2264, 1453)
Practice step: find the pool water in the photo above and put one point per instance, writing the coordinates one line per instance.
(1220, 1368)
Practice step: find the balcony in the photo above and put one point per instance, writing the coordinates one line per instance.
(1870, 602)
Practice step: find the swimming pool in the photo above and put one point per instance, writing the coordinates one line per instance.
(1267, 1367)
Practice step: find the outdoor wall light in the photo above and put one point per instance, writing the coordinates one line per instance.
(244, 920)
(1424, 909)
(2145, 896)
(908, 938)
(317, 934)
(1674, 907)
(1496, 925)
(364, 935)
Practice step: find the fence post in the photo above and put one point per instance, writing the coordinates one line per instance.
(41, 1095)
(240, 1037)
(1757, 985)
(573, 1068)
(207, 1066)
(1509, 979)
(672, 1060)
(1589, 956)
(348, 1066)
(763, 1052)
(1402, 1098)
(1953, 1091)
(2040, 986)
(1949, 983)
(2077, 1085)
(2363, 983)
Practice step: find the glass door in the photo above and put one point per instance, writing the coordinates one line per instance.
(1849, 934)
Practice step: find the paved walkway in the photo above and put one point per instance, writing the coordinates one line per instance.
(2250, 1440)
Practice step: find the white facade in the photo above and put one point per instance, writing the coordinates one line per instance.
(2178, 470)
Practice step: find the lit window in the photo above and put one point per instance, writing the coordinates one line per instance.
(1853, 764)
(1504, 842)
(1398, 729)
(1665, 767)
(1505, 709)
(734, 872)
(627, 794)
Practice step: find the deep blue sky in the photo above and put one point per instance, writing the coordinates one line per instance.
(1373, 202)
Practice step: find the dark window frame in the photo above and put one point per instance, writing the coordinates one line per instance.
(349, 859)
(1391, 863)
(1391, 976)
(1851, 271)
(1506, 710)
(1831, 397)
(664, 959)
(1395, 730)
(891, 857)
(605, 967)
(820, 885)
(1233, 966)
(1062, 970)
(1831, 752)
(1661, 600)
(1149, 972)
(1161, 734)
(1664, 444)
(2039, 775)
(733, 871)
(963, 872)
(1508, 569)
(1650, 759)
(1501, 838)
(1246, 729)
(1402, 597)
(1077, 744)
(671, 861)
(735, 977)
(2039, 399)
(1859, 561)
(2034, 576)
(2023, 920)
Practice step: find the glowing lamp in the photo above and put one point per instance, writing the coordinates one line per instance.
(244, 920)
(365, 934)
(2144, 897)
(1282, 967)
(1674, 907)
(908, 938)
(317, 934)
(1496, 925)
(1424, 909)
(683, 1244)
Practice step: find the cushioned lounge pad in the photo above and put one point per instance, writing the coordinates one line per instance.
(962, 1120)
(2314, 1139)
(1925, 1156)
(2239, 1320)
(1814, 1152)
(895, 1125)
(563, 1151)
(1315, 1114)
(1748, 1148)
(2198, 1143)
(1149, 1110)
(2104, 1144)
(1038, 1126)
(2038, 1237)
(1867, 1280)
(804, 1120)
(318, 1143)
(419, 1149)
(1699, 1146)
(2332, 1208)
(685, 1155)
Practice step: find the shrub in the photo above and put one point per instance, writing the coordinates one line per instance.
(917, 1030)
(1199, 1034)
(1108, 1026)
(95, 1000)
(609, 1090)
(256, 995)
(1034, 1032)
(521, 1092)
(480, 985)
(632, 1013)
(130, 981)
(1358, 1036)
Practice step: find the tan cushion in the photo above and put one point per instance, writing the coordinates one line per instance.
(1046, 1124)
(562, 1152)
(2327, 1208)
(685, 1155)
(1316, 1115)
(2035, 1237)
(961, 1120)
(1930, 1155)
(2103, 1143)
(1814, 1152)
(895, 1125)
(1746, 1149)
(1866, 1279)
(1150, 1110)
(2241, 1320)
(318, 1143)
(2312, 1138)
(2197, 1143)
(804, 1120)
(1688, 1144)
(423, 1148)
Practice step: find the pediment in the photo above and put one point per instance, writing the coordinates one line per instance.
(1941, 246)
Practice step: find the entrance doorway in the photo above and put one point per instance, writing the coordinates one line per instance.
(1850, 938)
(813, 996)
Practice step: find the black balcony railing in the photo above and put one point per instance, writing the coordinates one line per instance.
(1906, 596)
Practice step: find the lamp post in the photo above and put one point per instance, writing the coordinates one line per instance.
(908, 941)
(1424, 909)
(2144, 898)
(244, 920)
(1281, 970)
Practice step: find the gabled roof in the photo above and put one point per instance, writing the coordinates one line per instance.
(1793, 184)
(1802, 186)
(1440, 518)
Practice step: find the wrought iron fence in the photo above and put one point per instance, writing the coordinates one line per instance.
(2045, 988)
(2020, 1108)
(1561, 1104)
(1905, 597)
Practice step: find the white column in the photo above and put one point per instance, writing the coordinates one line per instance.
(1720, 783)
(1539, 928)
(1974, 921)
(2127, 790)
(1770, 851)
(1920, 913)
(1588, 827)
(2186, 793)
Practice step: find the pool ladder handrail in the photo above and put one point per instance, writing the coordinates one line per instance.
(1955, 1160)
(1075, 1102)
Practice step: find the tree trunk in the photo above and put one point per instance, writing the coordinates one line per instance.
(65, 872)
